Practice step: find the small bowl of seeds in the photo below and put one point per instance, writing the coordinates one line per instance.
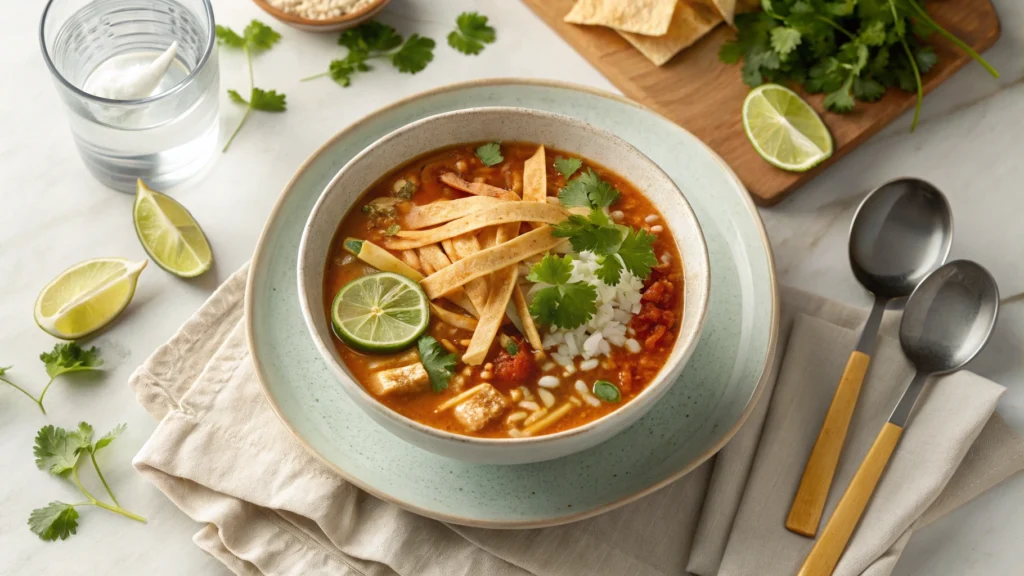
(322, 15)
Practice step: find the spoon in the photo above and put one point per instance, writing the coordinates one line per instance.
(901, 232)
(946, 322)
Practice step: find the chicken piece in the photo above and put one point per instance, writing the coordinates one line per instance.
(480, 408)
(411, 378)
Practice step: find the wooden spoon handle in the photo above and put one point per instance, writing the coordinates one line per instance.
(826, 552)
(809, 502)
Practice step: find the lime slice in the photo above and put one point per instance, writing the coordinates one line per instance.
(382, 312)
(86, 297)
(170, 235)
(784, 129)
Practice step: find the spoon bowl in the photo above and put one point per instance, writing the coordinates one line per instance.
(901, 232)
(949, 317)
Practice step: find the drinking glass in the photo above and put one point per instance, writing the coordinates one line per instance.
(165, 138)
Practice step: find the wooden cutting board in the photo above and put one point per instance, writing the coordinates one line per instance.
(705, 96)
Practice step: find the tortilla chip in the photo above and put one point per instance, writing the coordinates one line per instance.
(690, 22)
(457, 249)
(535, 177)
(489, 260)
(477, 188)
(453, 318)
(443, 211)
(411, 259)
(649, 17)
(510, 214)
(432, 259)
(502, 283)
(529, 326)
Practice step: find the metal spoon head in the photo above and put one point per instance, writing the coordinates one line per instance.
(901, 232)
(949, 317)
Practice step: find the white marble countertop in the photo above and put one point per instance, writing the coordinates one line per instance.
(54, 214)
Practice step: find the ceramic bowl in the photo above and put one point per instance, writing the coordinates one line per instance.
(503, 124)
(328, 24)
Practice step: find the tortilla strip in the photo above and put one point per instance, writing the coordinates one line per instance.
(580, 210)
(650, 17)
(411, 259)
(535, 177)
(477, 289)
(443, 211)
(529, 327)
(502, 283)
(455, 319)
(691, 21)
(486, 237)
(489, 260)
(503, 214)
(477, 188)
(432, 258)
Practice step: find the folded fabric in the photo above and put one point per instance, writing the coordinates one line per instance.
(269, 507)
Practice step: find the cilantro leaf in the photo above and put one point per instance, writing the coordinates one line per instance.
(566, 306)
(341, 70)
(595, 233)
(551, 270)
(267, 100)
(438, 362)
(473, 32)
(414, 55)
(70, 357)
(259, 36)
(840, 101)
(236, 97)
(610, 271)
(229, 37)
(867, 89)
(512, 348)
(490, 154)
(55, 520)
(637, 253)
(730, 52)
(370, 36)
(568, 166)
(785, 40)
(926, 58)
(56, 451)
(589, 190)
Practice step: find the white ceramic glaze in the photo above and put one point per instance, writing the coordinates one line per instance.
(504, 124)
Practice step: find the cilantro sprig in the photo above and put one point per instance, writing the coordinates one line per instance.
(847, 49)
(568, 166)
(374, 40)
(471, 34)
(63, 359)
(60, 452)
(438, 362)
(257, 37)
(563, 304)
(490, 154)
(616, 246)
(589, 191)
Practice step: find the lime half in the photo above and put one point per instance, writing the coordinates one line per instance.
(86, 297)
(170, 235)
(784, 129)
(382, 312)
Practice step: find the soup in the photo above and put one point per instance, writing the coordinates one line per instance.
(503, 290)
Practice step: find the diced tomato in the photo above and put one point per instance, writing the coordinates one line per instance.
(509, 368)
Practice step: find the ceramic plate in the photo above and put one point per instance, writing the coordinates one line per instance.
(716, 391)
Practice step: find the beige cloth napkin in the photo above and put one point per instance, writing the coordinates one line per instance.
(268, 507)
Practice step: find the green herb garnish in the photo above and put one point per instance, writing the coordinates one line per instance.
(392, 229)
(257, 37)
(568, 166)
(490, 154)
(512, 348)
(63, 359)
(607, 391)
(588, 190)
(848, 49)
(59, 452)
(616, 246)
(472, 33)
(564, 304)
(438, 362)
(373, 40)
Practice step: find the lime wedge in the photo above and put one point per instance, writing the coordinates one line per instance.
(784, 129)
(86, 297)
(381, 312)
(170, 235)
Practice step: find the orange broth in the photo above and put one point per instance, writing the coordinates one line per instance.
(630, 372)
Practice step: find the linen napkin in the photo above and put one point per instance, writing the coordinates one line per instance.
(269, 507)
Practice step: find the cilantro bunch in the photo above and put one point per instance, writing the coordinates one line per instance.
(257, 37)
(59, 452)
(374, 40)
(848, 49)
(63, 359)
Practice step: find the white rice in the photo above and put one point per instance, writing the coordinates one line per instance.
(607, 328)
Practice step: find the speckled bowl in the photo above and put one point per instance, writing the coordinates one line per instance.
(504, 124)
